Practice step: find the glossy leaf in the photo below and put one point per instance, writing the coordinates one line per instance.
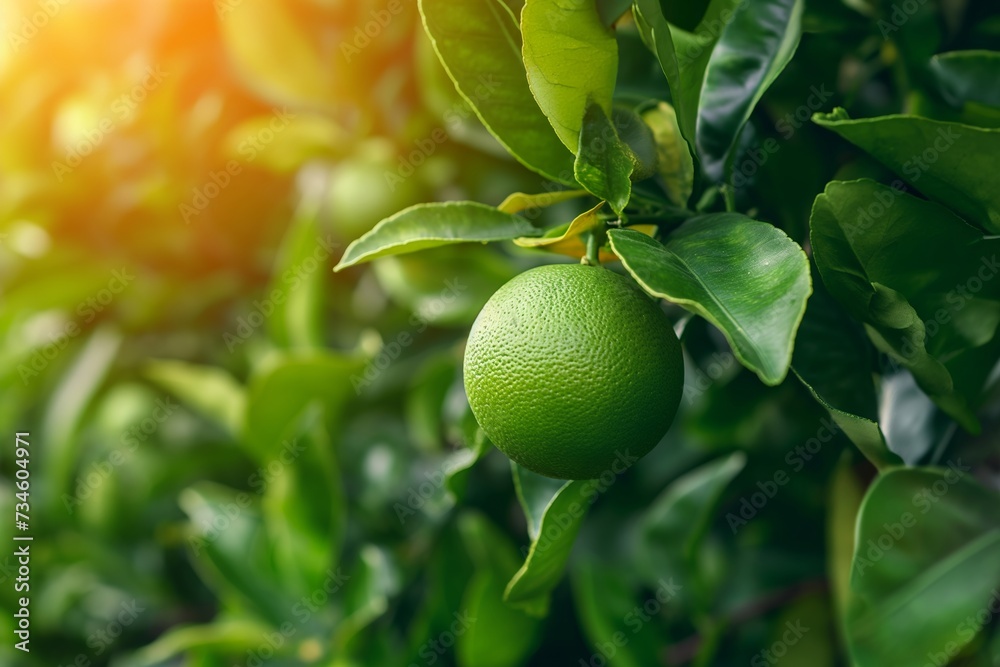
(683, 55)
(907, 298)
(554, 510)
(913, 425)
(432, 225)
(833, 359)
(927, 557)
(571, 59)
(604, 163)
(948, 162)
(754, 48)
(968, 76)
(479, 44)
(744, 276)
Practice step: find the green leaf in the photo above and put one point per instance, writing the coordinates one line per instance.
(754, 48)
(303, 506)
(833, 359)
(674, 163)
(296, 289)
(683, 55)
(968, 76)
(571, 59)
(604, 163)
(209, 390)
(68, 404)
(234, 635)
(495, 560)
(284, 387)
(949, 162)
(432, 225)
(676, 522)
(607, 605)
(371, 581)
(744, 276)
(479, 44)
(907, 297)
(232, 550)
(927, 555)
(555, 511)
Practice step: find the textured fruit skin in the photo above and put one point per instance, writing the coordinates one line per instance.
(570, 368)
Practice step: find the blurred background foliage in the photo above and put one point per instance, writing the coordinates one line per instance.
(242, 458)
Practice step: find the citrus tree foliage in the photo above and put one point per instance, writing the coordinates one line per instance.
(242, 245)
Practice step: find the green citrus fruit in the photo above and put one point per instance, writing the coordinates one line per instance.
(572, 371)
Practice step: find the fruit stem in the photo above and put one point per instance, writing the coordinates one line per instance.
(594, 239)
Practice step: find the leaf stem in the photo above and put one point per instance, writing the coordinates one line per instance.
(730, 196)
(592, 257)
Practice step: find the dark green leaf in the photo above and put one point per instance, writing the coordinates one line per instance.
(744, 276)
(431, 225)
(571, 59)
(603, 162)
(555, 511)
(968, 76)
(479, 43)
(926, 559)
(908, 297)
(754, 48)
(951, 163)
(833, 359)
